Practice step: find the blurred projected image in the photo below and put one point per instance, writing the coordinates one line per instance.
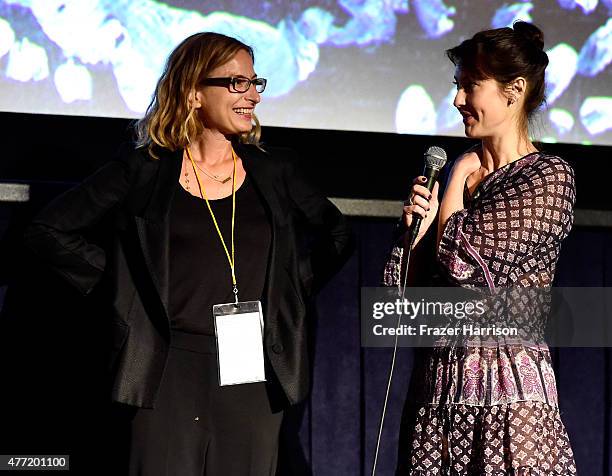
(366, 65)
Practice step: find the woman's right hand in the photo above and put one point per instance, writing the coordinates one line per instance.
(423, 203)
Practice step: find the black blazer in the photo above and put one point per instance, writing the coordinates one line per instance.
(134, 193)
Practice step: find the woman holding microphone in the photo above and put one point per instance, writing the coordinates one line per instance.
(492, 409)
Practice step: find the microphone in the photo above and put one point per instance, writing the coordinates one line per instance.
(435, 159)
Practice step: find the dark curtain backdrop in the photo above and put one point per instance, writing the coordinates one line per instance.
(340, 424)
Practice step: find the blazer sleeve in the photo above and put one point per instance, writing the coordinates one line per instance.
(56, 234)
(333, 241)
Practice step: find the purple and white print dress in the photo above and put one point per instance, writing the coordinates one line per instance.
(492, 409)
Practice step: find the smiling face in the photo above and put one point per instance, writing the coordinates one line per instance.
(484, 106)
(226, 111)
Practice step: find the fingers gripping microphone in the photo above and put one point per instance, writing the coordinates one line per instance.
(435, 159)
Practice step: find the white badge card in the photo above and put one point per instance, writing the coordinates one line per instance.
(239, 333)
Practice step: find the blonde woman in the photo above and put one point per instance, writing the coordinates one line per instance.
(200, 215)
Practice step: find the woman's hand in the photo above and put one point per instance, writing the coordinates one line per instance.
(423, 203)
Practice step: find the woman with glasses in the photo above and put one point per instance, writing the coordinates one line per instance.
(201, 217)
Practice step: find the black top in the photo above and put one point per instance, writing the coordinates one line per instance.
(138, 190)
(200, 275)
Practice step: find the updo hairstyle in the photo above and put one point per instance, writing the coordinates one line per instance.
(504, 54)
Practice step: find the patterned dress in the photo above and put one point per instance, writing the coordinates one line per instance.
(491, 408)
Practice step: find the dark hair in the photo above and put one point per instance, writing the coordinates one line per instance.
(504, 54)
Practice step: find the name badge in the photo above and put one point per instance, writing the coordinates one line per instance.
(239, 334)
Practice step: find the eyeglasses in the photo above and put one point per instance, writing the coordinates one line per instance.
(237, 84)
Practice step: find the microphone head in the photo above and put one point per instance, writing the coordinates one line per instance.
(435, 157)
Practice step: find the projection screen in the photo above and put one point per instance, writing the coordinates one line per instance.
(363, 65)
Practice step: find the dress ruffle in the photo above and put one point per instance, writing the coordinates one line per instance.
(517, 439)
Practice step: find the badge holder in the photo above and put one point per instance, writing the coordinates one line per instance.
(239, 335)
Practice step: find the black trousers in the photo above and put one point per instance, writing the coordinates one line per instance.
(198, 428)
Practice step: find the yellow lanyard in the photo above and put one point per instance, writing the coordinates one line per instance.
(231, 259)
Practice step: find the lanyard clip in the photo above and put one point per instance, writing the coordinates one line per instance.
(235, 291)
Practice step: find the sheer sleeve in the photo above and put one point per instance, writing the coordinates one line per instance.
(393, 266)
(511, 233)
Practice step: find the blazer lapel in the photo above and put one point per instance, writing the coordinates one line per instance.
(258, 169)
(154, 227)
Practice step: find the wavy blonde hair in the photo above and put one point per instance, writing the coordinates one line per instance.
(170, 121)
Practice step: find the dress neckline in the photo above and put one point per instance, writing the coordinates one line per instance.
(503, 169)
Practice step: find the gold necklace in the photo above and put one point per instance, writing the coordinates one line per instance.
(213, 176)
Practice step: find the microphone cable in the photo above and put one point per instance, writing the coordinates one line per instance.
(402, 291)
(435, 159)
